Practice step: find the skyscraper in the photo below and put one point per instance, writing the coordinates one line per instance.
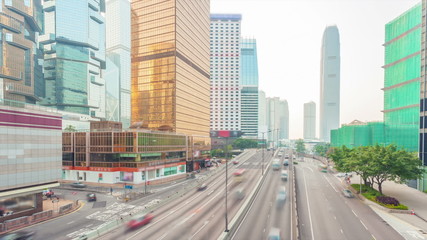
(262, 114)
(277, 119)
(329, 82)
(117, 19)
(249, 92)
(310, 120)
(20, 69)
(225, 72)
(284, 119)
(170, 65)
(74, 56)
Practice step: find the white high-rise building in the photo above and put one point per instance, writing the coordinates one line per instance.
(118, 26)
(225, 71)
(262, 114)
(310, 120)
(330, 83)
(277, 119)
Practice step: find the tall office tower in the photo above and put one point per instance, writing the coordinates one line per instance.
(284, 119)
(249, 92)
(225, 72)
(310, 120)
(170, 65)
(117, 24)
(74, 55)
(330, 83)
(262, 114)
(20, 69)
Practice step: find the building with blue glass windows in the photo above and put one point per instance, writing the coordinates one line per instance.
(74, 56)
(249, 88)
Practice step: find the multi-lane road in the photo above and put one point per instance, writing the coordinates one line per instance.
(186, 213)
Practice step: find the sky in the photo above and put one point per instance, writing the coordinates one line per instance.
(289, 34)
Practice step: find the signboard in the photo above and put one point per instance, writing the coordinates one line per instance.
(128, 187)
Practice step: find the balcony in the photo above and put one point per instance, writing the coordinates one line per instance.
(10, 73)
(10, 23)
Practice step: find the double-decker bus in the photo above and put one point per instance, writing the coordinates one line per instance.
(238, 175)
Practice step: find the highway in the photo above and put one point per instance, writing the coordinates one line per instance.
(265, 213)
(324, 212)
(198, 214)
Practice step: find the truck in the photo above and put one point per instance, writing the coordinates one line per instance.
(276, 164)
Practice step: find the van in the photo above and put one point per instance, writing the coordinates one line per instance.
(284, 175)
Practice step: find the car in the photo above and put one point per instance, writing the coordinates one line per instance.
(141, 221)
(281, 197)
(78, 185)
(202, 187)
(235, 162)
(239, 194)
(19, 235)
(344, 175)
(91, 197)
(284, 175)
(347, 193)
(286, 163)
(274, 234)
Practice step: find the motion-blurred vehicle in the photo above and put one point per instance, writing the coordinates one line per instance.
(286, 162)
(202, 187)
(344, 175)
(139, 222)
(239, 175)
(347, 193)
(284, 175)
(281, 197)
(286, 156)
(78, 185)
(239, 194)
(19, 235)
(235, 162)
(274, 234)
(91, 197)
(275, 164)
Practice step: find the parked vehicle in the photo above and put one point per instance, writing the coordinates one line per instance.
(78, 185)
(139, 222)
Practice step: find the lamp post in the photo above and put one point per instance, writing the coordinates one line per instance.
(226, 184)
(263, 140)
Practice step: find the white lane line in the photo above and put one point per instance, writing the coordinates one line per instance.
(308, 204)
(335, 217)
(70, 222)
(363, 224)
(268, 216)
(163, 236)
(309, 168)
(263, 230)
(342, 231)
(330, 183)
(200, 229)
(354, 213)
(373, 237)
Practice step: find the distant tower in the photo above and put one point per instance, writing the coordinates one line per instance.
(310, 120)
(330, 83)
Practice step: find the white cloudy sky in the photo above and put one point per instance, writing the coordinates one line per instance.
(289, 34)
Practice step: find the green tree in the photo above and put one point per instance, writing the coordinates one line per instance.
(242, 143)
(321, 149)
(70, 128)
(300, 146)
(217, 153)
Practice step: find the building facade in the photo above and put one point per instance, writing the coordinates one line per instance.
(20, 66)
(225, 65)
(310, 120)
(277, 120)
(30, 156)
(422, 147)
(108, 154)
(284, 120)
(329, 82)
(262, 114)
(118, 25)
(170, 65)
(249, 86)
(74, 56)
(402, 79)
(358, 133)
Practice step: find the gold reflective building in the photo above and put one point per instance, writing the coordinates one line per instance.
(170, 65)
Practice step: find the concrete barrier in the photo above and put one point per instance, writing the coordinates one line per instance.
(65, 208)
(41, 216)
(2, 227)
(16, 223)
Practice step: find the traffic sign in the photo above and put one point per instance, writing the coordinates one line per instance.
(128, 186)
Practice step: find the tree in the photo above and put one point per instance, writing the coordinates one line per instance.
(300, 146)
(217, 153)
(70, 128)
(321, 149)
(242, 143)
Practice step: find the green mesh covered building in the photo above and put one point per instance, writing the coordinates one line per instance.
(358, 133)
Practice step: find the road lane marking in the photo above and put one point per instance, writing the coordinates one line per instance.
(363, 224)
(211, 192)
(268, 216)
(330, 183)
(200, 229)
(308, 203)
(342, 231)
(163, 236)
(70, 222)
(263, 230)
(309, 169)
(354, 213)
(373, 237)
(335, 217)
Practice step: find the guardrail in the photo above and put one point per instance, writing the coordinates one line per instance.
(116, 223)
(295, 220)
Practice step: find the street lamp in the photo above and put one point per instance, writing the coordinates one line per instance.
(226, 184)
(263, 140)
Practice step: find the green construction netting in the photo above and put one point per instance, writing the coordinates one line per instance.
(403, 23)
(403, 71)
(402, 96)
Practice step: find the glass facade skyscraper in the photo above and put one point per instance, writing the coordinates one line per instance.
(170, 65)
(249, 92)
(117, 19)
(329, 83)
(74, 56)
(20, 68)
